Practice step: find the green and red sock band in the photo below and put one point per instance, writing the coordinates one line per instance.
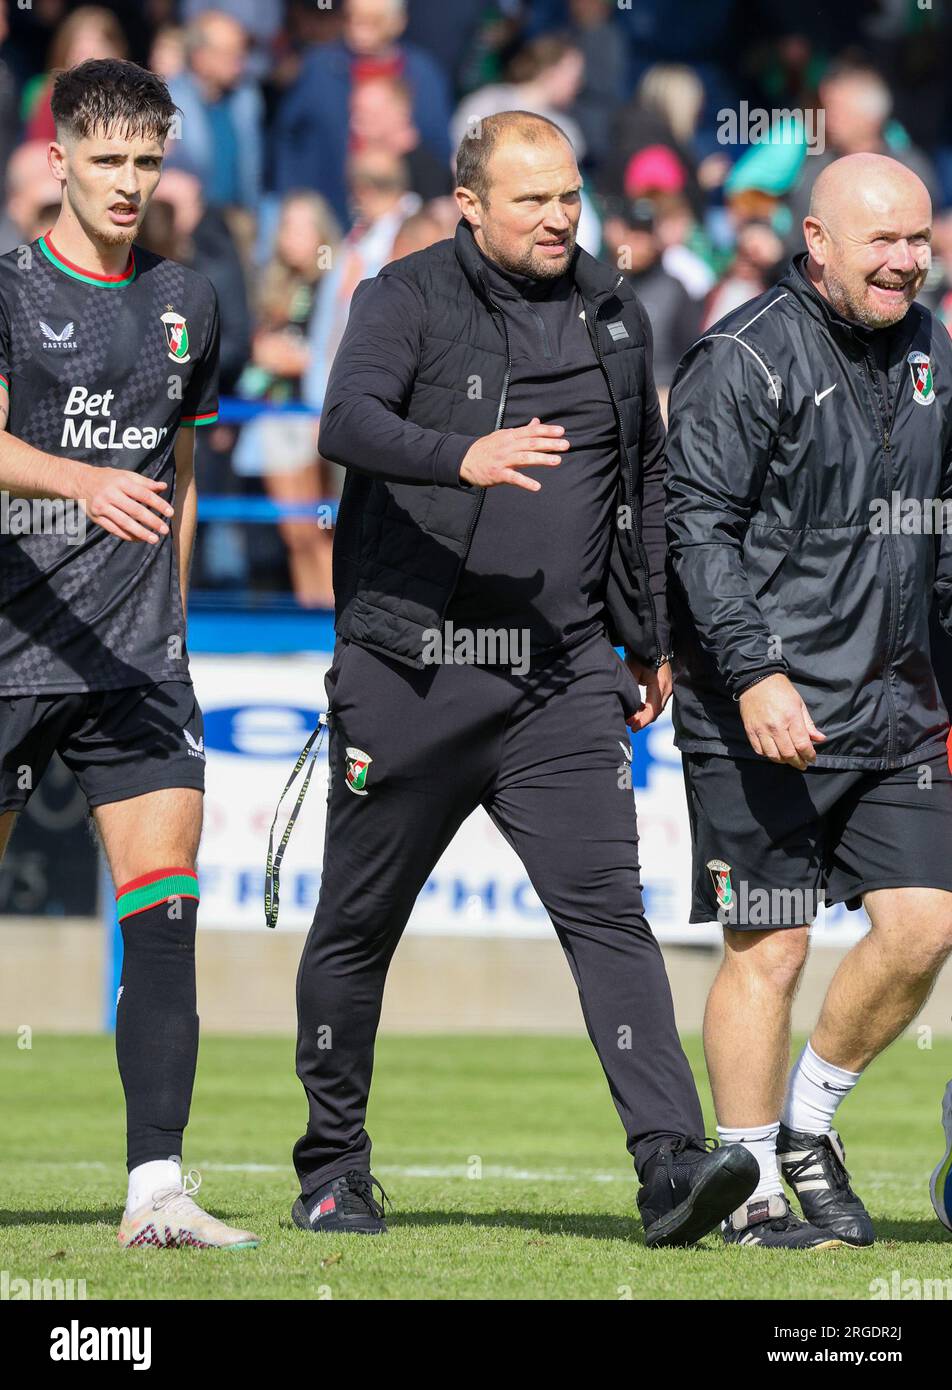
(139, 894)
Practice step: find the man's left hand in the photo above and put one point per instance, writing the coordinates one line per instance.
(658, 686)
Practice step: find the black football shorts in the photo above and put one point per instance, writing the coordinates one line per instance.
(117, 743)
(771, 843)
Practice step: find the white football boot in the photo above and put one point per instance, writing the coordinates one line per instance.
(172, 1218)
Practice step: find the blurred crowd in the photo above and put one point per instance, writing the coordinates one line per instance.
(316, 140)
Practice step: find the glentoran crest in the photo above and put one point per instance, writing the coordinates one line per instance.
(176, 334)
(357, 766)
(723, 888)
(923, 384)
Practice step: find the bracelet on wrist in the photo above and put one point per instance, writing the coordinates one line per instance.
(764, 676)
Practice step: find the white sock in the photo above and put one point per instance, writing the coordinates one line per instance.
(152, 1177)
(814, 1091)
(761, 1141)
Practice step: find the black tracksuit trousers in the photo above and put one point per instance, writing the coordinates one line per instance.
(542, 753)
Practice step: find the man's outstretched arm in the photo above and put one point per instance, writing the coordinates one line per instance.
(370, 383)
(362, 420)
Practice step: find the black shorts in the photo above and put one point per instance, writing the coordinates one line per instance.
(771, 843)
(117, 743)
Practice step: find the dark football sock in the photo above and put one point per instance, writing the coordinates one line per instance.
(156, 1022)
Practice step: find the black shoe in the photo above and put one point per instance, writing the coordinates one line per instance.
(346, 1203)
(814, 1165)
(687, 1189)
(771, 1223)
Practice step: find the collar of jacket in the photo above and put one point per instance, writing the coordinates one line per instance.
(794, 282)
(593, 280)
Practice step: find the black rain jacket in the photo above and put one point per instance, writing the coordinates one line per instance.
(802, 526)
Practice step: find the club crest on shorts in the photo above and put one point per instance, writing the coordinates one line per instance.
(923, 385)
(357, 765)
(723, 888)
(176, 335)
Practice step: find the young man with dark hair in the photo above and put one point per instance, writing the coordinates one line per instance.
(106, 351)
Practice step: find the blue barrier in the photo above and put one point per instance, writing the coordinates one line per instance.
(262, 510)
(271, 629)
(232, 411)
(259, 510)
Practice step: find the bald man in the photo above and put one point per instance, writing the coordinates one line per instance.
(807, 463)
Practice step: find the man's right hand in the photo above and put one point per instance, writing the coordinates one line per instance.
(497, 457)
(778, 723)
(124, 503)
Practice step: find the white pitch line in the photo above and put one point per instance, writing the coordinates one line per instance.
(876, 1180)
(488, 1170)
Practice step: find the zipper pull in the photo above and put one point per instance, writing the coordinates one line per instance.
(886, 439)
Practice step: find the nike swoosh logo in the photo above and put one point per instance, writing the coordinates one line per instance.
(819, 395)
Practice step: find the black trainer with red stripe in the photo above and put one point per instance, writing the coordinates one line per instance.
(346, 1203)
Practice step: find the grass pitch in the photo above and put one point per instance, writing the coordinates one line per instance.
(503, 1157)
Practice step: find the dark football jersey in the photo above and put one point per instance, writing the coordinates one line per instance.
(104, 370)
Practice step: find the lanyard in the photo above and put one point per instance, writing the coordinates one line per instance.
(273, 864)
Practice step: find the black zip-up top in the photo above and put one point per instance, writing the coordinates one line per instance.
(526, 569)
(422, 372)
(807, 461)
